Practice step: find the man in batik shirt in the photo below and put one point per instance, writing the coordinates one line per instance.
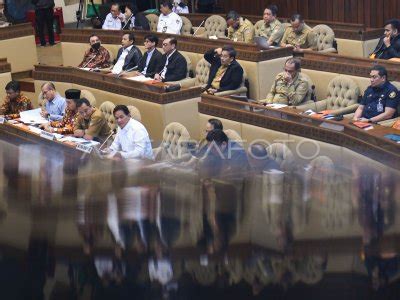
(15, 102)
(66, 125)
(96, 56)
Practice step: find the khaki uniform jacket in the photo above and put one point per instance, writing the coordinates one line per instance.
(273, 31)
(245, 32)
(305, 39)
(96, 126)
(293, 94)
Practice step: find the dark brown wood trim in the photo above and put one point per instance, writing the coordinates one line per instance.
(246, 51)
(372, 144)
(14, 31)
(113, 85)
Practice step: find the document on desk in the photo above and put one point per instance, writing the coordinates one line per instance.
(140, 78)
(276, 105)
(32, 117)
(79, 141)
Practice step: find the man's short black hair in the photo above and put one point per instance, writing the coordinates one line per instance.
(92, 35)
(82, 101)
(131, 36)
(232, 15)
(122, 108)
(395, 24)
(297, 17)
(132, 7)
(273, 8)
(115, 4)
(217, 136)
(152, 38)
(172, 40)
(13, 85)
(230, 50)
(166, 3)
(381, 70)
(295, 61)
(216, 123)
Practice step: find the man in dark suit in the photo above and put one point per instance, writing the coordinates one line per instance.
(151, 61)
(173, 65)
(389, 45)
(128, 55)
(225, 72)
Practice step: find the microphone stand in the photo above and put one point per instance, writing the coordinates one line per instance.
(126, 23)
(126, 71)
(111, 134)
(194, 33)
(84, 66)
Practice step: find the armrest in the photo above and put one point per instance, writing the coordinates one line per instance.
(345, 110)
(157, 153)
(315, 106)
(329, 50)
(240, 90)
(388, 123)
(184, 83)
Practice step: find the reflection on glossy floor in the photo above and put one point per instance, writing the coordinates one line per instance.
(74, 227)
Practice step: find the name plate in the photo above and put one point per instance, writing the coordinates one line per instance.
(84, 148)
(47, 135)
(2, 120)
(335, 127)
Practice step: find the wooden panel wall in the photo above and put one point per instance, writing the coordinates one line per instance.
(372, 13)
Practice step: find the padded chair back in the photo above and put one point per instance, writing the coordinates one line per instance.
(202, 72)
(234, 136)
(310, 84)
(189, 64)
(173, 144)
(215, 25)
(153, 21)
(325, 37)
(186, 26)
(342, 92)
(107, 109)
(135, 113)
(281, 154)
(257, 27)
(111, 60)
(88, 95)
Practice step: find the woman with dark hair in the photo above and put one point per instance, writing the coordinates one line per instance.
(135, 19)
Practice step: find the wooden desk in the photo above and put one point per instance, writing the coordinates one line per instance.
(17, 43)
(260, 66)
(157, 107)
(371, 143)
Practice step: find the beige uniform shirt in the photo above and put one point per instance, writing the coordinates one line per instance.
(292, 94)
(305, 39)
(273, 31)
(96, 126)
(244, 33)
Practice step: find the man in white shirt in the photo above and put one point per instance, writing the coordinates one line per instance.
(128, 55)
(132, 139)
(114, 18)
(168, 21)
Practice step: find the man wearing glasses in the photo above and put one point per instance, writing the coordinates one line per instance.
(289, 87)
(54, 107)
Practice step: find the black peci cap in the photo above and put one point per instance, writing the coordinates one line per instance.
(72, 94)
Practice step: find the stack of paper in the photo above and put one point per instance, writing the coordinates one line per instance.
(79, 141)
(32, 117)
(140, 78)
(276, 105)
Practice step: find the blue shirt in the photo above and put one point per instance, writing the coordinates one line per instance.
(376, 99)
(149, 55)
(56, 108)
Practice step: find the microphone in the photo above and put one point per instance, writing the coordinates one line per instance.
(127, 21)
(202, 22)
(111, 134)
(313, 98)
(84, 66)
(129, 70)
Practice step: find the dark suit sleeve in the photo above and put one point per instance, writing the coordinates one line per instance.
(142, 63)
(118, 55)
(236, 77)
(177, 69)
(156, 65)
(134, 60)
(394, 50)
(210, 56)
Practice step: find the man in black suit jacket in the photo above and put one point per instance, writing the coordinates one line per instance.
(150, 66)
(225, 72)
(173, 65)
(128, 55)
